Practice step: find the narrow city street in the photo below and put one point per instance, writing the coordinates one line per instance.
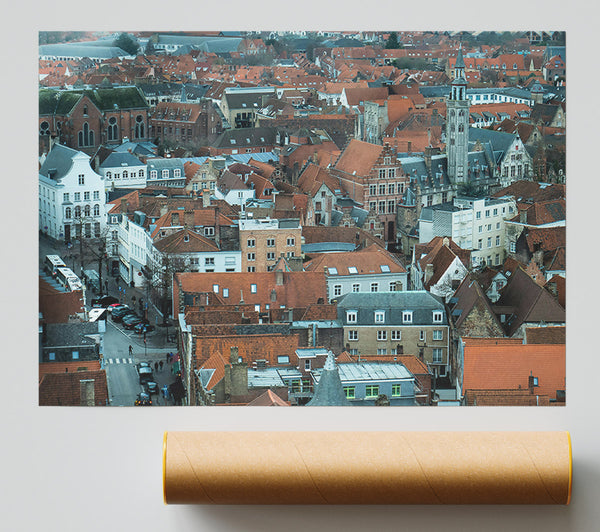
(122, 367)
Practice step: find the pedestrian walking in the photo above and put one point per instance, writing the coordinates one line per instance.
(160, 364)
(167, 357)
(156, 366)
(130, 350)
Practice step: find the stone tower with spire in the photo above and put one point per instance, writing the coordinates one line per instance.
(457, 124)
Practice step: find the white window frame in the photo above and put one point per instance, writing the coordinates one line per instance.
(351, 316)
(380, 316)
(438, 316)
(407, 316)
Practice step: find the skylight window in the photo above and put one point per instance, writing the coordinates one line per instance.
(232, 141)
(352, 269)
(332, 271)
(385, 268)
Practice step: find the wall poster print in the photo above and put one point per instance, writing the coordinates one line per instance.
(302, 218)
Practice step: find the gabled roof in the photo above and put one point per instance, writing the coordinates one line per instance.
(59, 161)
(531, 302)
(433, 247)
(230, 181)
(508, 367)
(440, 261)
(359, 157)
(268, 398)
(313, 177)
(185, 241)
(202, 217)
(470, 296)
(216, 363)
(121, 160)
(543, 212)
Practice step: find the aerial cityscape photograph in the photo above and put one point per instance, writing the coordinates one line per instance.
(302, 218)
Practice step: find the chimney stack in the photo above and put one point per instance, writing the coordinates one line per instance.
(205, 197)
(279, 278)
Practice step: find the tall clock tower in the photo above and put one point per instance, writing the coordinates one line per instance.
(457, 124)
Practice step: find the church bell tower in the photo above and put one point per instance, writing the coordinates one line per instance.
(457, 124)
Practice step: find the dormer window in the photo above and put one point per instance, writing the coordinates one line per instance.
(407, 316)
(351, 316)
(379, 316)
(438, 316)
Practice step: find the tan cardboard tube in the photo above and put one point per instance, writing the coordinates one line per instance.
(367, 467)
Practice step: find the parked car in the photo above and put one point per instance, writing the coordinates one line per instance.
(143, 327)
(119, 313)
(131, 320)
(145, 374)
(104, 301)
(151, 388)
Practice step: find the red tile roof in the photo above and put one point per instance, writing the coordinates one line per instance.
(508, 367)
(217, 363)
(366, 261)
(64, 389)
(359, 157)
(298, 289)
(268, 398)
(185, 241)
(58, 307)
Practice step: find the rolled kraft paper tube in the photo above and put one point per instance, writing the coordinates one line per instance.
(367, 467)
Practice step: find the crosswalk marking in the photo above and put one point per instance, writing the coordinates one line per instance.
(118, 360)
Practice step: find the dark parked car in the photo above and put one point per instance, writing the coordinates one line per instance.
(145, 375)
(143, 327)
(131, 320)
(151, 388)
(104, 301)
(119, 313)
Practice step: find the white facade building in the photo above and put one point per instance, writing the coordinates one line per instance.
(71, 196)
(475, 224)
(123, 170)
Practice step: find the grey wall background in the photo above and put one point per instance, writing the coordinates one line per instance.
(100, 469)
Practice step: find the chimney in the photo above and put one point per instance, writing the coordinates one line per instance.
(164, 208)
(446, 242)
(428, 273)
(123, 205)
(279, 278)
(409, 147)
(188, 219)
(233, 354)
(523, 216)
(205, 198)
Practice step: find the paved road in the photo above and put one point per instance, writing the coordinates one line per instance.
(121, 367)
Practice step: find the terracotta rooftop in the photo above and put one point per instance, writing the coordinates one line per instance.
(65, 388)
(359, 157)
(508, 367)
(366, 261)
(313, 234)
(297, 289)
(268, 398)
(185, 241)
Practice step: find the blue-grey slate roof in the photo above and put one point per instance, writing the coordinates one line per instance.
(139, 148)
(420, 302)
(80, 50)
(120, 159)
(60, 160)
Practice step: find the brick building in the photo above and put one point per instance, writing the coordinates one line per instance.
(197, 123)
(263, 241)
(85, 119)
(373, 176)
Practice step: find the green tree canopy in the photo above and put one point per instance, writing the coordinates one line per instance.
(127, 43)
(392, 42)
